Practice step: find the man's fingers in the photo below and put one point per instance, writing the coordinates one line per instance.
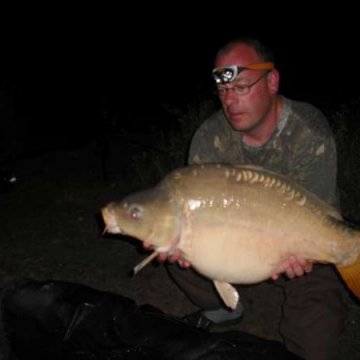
(184, 264)
(147, 246)
(290, 273)
(162, 257)
(306, 265)
(173, 258)
(294, 267)
(297, 267)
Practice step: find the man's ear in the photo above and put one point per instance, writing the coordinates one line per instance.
(273, 81)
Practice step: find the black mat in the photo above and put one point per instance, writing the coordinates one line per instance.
(62, 320)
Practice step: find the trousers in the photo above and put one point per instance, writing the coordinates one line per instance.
(313, 313)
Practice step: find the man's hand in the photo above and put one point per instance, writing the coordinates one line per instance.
(295, 267)
(175, 257)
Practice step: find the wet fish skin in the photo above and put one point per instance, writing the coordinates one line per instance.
(237, 224)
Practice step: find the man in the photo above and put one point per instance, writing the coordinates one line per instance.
(258, 126)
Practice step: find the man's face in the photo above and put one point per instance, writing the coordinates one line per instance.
(245, 112)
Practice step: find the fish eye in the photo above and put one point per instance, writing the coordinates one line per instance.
(135, 213)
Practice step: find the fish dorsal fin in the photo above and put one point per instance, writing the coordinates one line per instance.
(351, 276)
(228, 293)
(250, 167)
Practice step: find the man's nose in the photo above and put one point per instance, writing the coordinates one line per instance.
(229, 97)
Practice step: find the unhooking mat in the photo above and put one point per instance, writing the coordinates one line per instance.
(64, 320)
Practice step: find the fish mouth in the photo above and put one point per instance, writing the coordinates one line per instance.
(111, 225)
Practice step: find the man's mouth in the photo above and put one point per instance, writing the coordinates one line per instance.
(237, 113)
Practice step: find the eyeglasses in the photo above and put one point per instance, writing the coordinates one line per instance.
(240, 89)
(227, 74)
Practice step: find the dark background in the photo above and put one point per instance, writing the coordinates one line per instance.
(63, 67)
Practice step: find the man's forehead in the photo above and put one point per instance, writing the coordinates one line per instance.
(239, 54)
(241, 69)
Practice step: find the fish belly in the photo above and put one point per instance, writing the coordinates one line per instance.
(249, 249)
(241, 259)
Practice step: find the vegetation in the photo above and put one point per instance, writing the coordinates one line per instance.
(171, 147)
(344, 122)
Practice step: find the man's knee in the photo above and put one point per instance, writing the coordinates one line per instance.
(314, 314)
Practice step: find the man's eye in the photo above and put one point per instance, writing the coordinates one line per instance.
(240, 87)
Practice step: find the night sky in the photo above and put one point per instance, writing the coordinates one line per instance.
(66, 68)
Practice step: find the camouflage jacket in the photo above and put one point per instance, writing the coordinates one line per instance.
(302, 147)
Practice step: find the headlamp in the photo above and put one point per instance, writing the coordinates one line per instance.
(227, 74)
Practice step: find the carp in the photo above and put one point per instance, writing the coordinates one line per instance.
(237, 224)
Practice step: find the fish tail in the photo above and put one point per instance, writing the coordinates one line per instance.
(351, 276)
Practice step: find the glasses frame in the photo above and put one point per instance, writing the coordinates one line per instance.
(245, 88)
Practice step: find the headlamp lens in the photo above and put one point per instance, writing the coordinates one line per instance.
(224, 75)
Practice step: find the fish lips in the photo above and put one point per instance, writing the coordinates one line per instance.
(111, 225)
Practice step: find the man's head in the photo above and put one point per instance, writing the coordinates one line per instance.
(247, 83)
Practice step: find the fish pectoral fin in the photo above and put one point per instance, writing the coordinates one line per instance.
(228, 293)
(351, 276)
(143, 263)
